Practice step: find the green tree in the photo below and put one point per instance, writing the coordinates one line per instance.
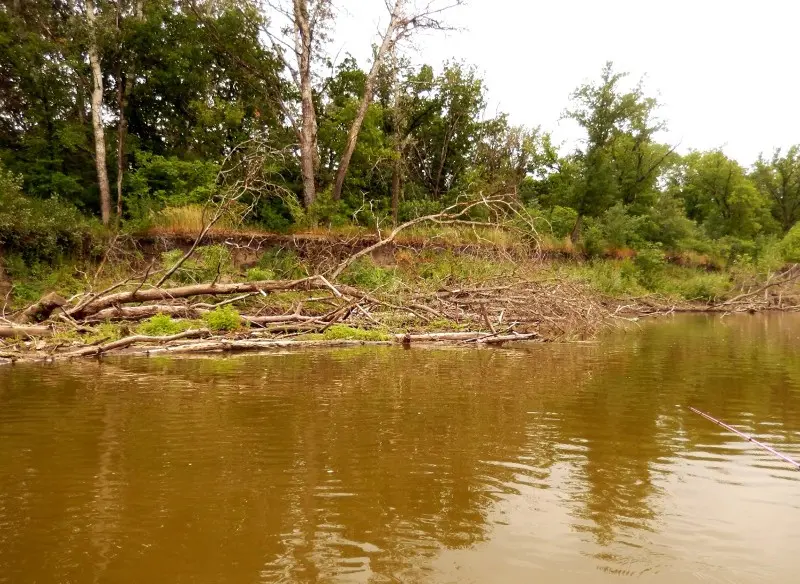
(779, 181)
(620, 160)
(719, 195)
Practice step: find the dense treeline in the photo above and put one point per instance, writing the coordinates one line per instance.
(117, 110)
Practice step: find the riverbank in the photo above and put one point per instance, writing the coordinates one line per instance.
(166, 294)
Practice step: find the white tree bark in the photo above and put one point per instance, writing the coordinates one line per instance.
(308, 128)
(97, 120)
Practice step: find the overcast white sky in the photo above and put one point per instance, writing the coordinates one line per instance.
(727, 71)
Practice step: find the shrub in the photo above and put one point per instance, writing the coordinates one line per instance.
(39, 229)
(562, 221)
(203, 266)
(790, 245)
(162, 325)
(365, 274)
(650, 264)
(284, 264)
(706, 287)
(408, 210)
(223, 319)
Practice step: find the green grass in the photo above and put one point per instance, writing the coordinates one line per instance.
(625, 278)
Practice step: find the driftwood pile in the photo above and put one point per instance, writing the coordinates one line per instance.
(488, 314)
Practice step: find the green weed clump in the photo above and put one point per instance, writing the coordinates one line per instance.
(259, 274)
(162, 325)
(223, 319)
(705, 287)
(104, 333)
(364, 273)
(344, 332)
(205, 265)
(282, 264)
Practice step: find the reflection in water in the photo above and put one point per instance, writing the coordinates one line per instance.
(572, 463)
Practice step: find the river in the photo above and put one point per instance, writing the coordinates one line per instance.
(574, 463)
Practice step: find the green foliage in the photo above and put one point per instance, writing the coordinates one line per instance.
(283, 264)
(33, 279)
(344, 332)
(707, 287)
(162, 325)
(103, 333)
(562, 220)
(223, 319)
(779, 182)
(205, 265)
(259, 274)
(415, 208)
(790, 245)
(365, 274)
(38, 230)
(614, 278)
(650, 265)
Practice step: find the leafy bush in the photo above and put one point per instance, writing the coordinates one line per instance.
(706, 287)
(162, 325)
(790, 245)
(181, 182)
(408, 210)
(649, 264)
(365, 274)
(621, 229)
(344, 332)
(204, 265)
(223, 319)
(615, 278)
(39, 229)
(32, 279)
(562, 221)
(284, 264)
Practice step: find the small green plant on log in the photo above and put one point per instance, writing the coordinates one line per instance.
(223, 319)
(162, 325)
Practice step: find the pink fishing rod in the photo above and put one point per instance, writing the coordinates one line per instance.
(748, 438)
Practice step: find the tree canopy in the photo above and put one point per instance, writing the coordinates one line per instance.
(183, 83)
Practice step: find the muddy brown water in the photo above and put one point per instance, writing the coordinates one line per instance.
(546, 463)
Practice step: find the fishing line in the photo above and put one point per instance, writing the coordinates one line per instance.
(748, 438)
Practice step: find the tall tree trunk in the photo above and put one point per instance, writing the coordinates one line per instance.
(122, 132)
(387, 44)
(576, 229)
(97, 121)
(397, 167)
(308, 128)
(397, 183)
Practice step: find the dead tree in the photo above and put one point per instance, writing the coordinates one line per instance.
(97, 113)
(404, 20)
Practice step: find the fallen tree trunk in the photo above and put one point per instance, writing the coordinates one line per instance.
(144, 311)
(42, 309)
(128, 341)
(156, 294)
(10, 332)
